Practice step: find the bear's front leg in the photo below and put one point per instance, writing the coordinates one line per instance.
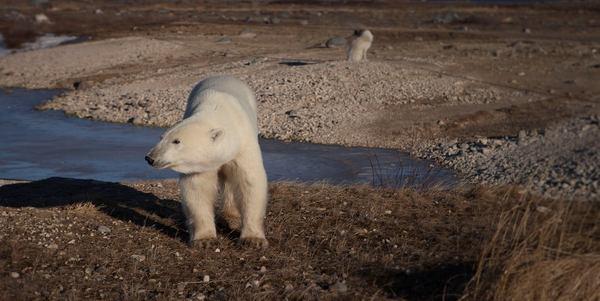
(199, 192)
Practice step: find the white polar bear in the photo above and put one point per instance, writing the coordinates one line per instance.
(357, 50)
(215, 147)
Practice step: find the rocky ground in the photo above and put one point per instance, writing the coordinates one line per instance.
(570, 149)
(440, 77)
(79, 239)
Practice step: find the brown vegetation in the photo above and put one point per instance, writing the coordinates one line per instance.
(325, 242)
(78, 239)
(541, 251)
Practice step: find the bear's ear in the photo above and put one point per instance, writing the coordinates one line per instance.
(215, 134)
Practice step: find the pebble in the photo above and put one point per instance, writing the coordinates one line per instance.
(340, 287)
(292, 114)
(103, 229)
(14, 275)
(335, 42)
(42, 18)
(223, 40)
(263, 269)
(206, 279)
(139, 258)
(52, 246)
(247, 34)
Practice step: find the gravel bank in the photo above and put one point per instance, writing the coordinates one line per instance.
(561, 161)
(323, 102)
(46, 68)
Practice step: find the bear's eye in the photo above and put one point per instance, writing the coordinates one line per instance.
(176, 141)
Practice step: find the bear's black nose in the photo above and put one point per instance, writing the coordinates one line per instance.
(149, 160)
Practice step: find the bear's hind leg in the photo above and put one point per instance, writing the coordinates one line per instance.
(199, 192)
(251, 179)
(231, 212)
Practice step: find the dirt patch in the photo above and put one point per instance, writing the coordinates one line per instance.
(79, 239)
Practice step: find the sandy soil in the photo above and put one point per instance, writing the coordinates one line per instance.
(438, 74)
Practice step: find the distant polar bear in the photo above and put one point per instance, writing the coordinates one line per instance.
(361, 42)
(215, 147)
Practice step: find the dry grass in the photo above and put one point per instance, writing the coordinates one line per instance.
(326, 242)
(541, 250)
(83, 208)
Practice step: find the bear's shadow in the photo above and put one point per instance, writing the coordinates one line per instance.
(114, 199)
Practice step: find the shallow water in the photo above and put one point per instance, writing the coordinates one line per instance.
(45, 41)
(36, 145)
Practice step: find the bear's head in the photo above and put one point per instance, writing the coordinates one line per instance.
(194, 146)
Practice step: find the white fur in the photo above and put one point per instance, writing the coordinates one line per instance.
(359, 46)
(218, 150)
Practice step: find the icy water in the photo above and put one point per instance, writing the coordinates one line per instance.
(40, 144)
(45, 41)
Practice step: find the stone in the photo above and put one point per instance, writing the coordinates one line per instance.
(224, 40)
(247, 34)
(340, 287)
(292, 114)
(446, 18)
(103, 229)
(522, 136)
(42, 18)
(139, 258)
(335, 42)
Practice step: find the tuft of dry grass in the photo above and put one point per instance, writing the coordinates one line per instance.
(541, 250)
(84, 208)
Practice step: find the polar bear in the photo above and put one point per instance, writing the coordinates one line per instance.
(215, 148)
(361, 42)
